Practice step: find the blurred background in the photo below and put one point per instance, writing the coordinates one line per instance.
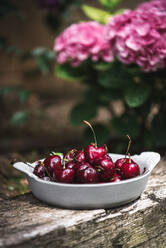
(34, 103)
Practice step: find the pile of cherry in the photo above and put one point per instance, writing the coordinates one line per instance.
(90, 165)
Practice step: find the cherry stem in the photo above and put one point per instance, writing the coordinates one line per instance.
(71, 151)
(48, 173)
(129, 158)
(94, 135)
(128, 147)
(106, 148)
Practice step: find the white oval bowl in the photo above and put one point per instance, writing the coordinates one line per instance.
(92, 196)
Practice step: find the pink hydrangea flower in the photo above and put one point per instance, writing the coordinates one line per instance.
(82, 41)
(139, 36)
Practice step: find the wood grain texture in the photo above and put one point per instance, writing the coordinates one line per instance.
(27, 222)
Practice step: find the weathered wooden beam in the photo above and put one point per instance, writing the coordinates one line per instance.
(27, 222)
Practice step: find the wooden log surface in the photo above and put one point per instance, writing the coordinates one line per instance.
(26, 222)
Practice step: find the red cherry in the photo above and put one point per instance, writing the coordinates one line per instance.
(93, 154)
(70, 165)
(116, 178)
(106, 169)
(53, 162)
(108, 156)
(129, 170)
(119, 162)
(80, 156)
(85, 173)
(126, 167)
(39, 171)
(64, 175)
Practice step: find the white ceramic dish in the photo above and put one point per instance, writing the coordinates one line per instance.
(92, 196)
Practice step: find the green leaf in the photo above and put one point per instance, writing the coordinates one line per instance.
(133, 70)
(116, 77)
(19, 118)
(119, 11)
(102, 66)
(126, 124)
(102, 134)
(43, 63)
(43, 51)
(100, 96)
(82, 111)
(57, 153)
(110, 94)
(38, 51)
(136, 95)
(23, 95)
(95, 14)
(67, 72)
(111, 4)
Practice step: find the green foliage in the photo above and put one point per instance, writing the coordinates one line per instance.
(43, 58)
(107, 82)
(95, 14)
(115, 77)
(83, 111)
(102, 134)
(101, 66)
(41, 55)
(67, 72)
(110, 4)
(110, 94)
(19, 118)
(126, 124)
(4, 91)
(23, 95)
(136, 95)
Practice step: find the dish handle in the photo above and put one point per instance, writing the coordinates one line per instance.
(24, 168)
(150, 158)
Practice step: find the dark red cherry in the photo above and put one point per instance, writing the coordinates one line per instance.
(108, 156)
(80, 156)
(93, 154)
(129, 170)
(39, 171)
(116, 178)
(70, 165)
(64, 176)
(53, 162)
(119, 162)
(57, 174)
(85, 173)
(106, 169)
